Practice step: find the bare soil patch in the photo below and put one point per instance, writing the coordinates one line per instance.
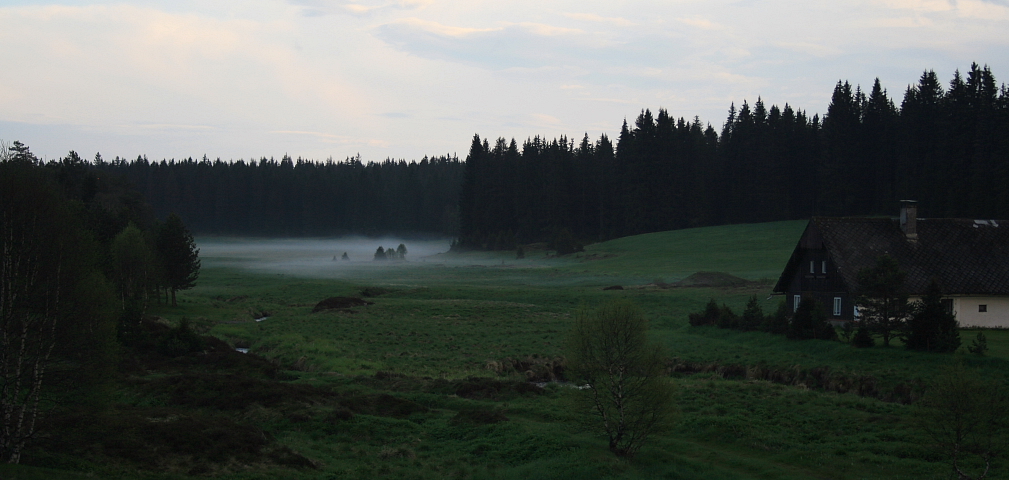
(340, 303)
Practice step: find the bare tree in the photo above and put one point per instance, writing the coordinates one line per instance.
(627, 391)
(967, 415)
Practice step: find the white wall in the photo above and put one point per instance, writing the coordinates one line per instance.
(966, 309)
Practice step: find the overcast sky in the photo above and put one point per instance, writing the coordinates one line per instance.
(407, 78)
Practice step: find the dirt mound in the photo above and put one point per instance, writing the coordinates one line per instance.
(711, 279)
(340, 303)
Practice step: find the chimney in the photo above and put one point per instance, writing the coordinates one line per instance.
(909, 219)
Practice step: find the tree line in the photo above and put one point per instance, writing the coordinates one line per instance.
(945, 147)
(296, 197)
(81, 258)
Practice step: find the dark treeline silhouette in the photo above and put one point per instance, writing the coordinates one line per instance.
(947, 148)
(298, 197)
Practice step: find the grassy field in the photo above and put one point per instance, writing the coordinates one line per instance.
(430, 380)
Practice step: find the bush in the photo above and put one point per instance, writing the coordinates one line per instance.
(709, 316)
(979, 346)
(753, 315)
(810, 322)
(778, 323)
(180, 341)
(862, 338)
(727, 318)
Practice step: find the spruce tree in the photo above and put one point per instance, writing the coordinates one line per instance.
(810, 322)
(180, 259)
(882, 298)
(931, 328)
(753, 315)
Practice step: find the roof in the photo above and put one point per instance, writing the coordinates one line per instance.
(969, 257)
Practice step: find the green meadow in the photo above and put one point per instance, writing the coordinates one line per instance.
(432, 379)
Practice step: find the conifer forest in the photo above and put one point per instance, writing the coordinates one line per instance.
(943, 144)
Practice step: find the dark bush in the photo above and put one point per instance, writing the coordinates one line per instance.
(810, 322)
(727, 318)
(978, 346)
(753, 315)
(862, 338)
(778, 323)
(180, 341)
(709, 316)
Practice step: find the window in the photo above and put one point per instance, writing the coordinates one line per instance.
(837, 306)
(947, 305)
(795, 302)
(854, 312)
(823, 266)
(982, 308)
(812, 266)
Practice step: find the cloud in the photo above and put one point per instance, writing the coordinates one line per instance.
(329, 7)
(516, 45)
(814, 49)
(591, 17)
(333, 138)
(701, 23)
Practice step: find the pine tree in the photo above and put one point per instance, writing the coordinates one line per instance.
(180, 259)
(882, 298)
(810, 322)
(930, 327)
(753, 315)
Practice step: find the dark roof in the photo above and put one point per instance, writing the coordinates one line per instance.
(967, 256)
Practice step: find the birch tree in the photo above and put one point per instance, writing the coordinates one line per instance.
(53, 305)
(626, 392)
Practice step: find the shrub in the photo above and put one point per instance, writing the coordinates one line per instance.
(753, 315)
(180, 341)
(778, 323)
(979, 346)
(709, 316)
(727, 318)
(810, 322)
(862, 338)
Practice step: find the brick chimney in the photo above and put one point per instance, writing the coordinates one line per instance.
(909, 219)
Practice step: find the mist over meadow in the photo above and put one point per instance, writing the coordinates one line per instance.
(315, 257)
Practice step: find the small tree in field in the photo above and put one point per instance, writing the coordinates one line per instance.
(882, 298)
(628, 394)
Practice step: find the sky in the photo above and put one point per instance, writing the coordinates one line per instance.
(402, 79)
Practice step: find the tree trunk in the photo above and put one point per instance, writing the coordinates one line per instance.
(173, 298)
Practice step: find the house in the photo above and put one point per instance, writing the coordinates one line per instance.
(969, 258)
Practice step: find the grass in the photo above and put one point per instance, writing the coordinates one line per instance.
(429, 381)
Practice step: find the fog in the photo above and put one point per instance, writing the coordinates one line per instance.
(315, 257)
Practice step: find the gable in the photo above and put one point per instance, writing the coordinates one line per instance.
(968, 257)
